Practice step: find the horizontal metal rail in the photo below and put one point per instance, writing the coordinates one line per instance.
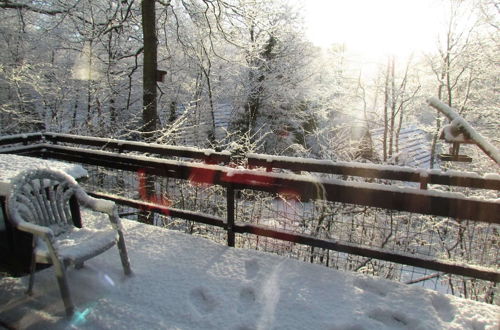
(369, 171)
(165, 210)
(21, 138)
(207, 155)
(295, 186)
(366, 194)
(27, 150)
(370, 252)
(399, 173)
(260, 230)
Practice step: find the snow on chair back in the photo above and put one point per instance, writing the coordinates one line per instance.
(43, 197)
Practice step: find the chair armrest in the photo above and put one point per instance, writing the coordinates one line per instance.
(36, 230)
(101, 205)
(96, 204)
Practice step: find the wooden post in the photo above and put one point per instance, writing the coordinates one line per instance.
(424, 181)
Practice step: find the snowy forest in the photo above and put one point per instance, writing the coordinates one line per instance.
(242, 76)
(234, 75)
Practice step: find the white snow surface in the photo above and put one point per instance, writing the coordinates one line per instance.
(186, 282)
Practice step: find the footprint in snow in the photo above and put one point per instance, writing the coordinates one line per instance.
(202, 300)
(347, 327)
(392, 319)
(443, 307)
(247, 299)
(244, 327)
(370, 286)
(251, 268)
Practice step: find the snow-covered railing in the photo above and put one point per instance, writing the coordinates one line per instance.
(296, 164)
(376, 171)
(209, 156)
(356, 249)
(300, 187)
(20, 138)
(439, 203)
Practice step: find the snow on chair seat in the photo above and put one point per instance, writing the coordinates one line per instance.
(78, 244)
(46, 204)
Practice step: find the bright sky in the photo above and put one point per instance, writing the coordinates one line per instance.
(375, 28)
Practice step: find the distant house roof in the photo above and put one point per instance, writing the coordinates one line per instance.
(196, 128)
(222, 116)
(413, 147)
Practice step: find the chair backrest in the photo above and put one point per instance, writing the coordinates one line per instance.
(42, 197)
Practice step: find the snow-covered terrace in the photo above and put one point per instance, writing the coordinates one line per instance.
(186, 282)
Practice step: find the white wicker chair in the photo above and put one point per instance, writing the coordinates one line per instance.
(46, 204)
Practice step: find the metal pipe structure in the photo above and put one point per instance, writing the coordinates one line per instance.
(462, 124)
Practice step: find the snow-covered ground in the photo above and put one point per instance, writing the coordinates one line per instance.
(186, 282)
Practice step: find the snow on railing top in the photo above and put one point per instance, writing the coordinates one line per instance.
(458, 124)
(297, 164)
(380, 171)
(16, 138)
(209, 155)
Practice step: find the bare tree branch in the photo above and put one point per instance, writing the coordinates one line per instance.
(7, 4)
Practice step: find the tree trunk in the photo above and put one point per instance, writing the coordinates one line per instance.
(386, 112)
(393, 108)
(149, 112)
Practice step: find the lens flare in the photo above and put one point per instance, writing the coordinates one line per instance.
(80, 317)
(109, 280)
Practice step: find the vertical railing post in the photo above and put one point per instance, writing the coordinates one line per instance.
(230, 215)
(424, 180)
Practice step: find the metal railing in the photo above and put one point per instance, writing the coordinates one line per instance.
(355, 225)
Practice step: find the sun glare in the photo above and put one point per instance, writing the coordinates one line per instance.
(375, 28)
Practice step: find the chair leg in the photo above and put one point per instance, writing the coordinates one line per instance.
(123, 254)
(32, 274)
(63, 287)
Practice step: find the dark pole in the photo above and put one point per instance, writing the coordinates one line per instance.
(149, 68)
(230, 215)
